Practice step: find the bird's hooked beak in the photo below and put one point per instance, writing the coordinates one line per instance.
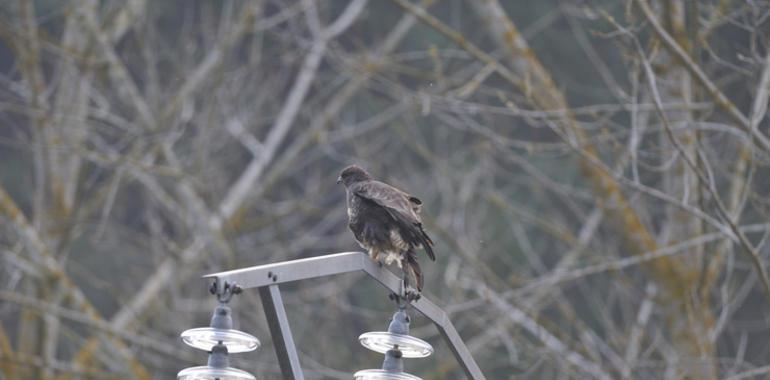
(339, 180)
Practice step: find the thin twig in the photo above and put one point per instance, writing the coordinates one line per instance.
(719, 98)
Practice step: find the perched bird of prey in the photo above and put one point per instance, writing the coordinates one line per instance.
(386, 222)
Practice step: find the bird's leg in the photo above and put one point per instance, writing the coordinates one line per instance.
(403, 284)
(407, 295)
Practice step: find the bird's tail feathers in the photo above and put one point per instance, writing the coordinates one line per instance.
(413, 272)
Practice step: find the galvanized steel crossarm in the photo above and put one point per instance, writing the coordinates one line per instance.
(271, 275)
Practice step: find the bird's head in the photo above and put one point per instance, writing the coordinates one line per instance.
(353, 174)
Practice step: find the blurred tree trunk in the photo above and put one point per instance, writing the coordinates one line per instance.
(31, 324)
(689, 320)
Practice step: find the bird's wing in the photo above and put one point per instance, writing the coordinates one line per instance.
(402, 207)
(393, 199)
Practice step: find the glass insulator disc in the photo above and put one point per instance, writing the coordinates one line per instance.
(213, 373)
(379, 374)
(204, 338)
(410, 347)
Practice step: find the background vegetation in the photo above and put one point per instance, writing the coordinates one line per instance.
(595, 174)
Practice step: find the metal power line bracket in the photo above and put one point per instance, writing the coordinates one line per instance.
(268, 277)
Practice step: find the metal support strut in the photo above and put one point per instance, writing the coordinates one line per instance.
(280, 330)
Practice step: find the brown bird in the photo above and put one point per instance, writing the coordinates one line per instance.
(386, 222)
